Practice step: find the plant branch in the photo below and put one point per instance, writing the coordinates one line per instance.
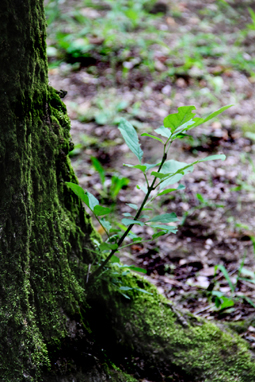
(98, 270)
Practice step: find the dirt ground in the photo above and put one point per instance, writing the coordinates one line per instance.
(216, 209)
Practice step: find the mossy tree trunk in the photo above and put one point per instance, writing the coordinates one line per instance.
(52, 327)
(44, 233)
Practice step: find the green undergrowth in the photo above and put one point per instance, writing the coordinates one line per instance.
(125, 35)
(156, 183)
(157, 334)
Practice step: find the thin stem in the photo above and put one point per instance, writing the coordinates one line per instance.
(146, 180)
(101, 225)
(98, 270)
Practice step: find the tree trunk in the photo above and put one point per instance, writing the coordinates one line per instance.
(53, 327)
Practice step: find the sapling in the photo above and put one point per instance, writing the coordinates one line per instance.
(159, 178)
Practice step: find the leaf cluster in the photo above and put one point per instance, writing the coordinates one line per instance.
(158, 177)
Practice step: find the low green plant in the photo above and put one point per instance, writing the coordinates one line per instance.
(117, 182)
(248, 184)
(251, 26)
(103, 36)
(223, 301)
(105, 108)
(157, 183)
(118, 274)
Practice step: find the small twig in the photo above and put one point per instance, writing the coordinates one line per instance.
(203, 310)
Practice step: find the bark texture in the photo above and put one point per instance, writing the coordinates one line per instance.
(44, 233)
(52, 326)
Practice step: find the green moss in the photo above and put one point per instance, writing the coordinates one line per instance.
(240, 327)
(119, 376)
(147, 327)
(46, 249)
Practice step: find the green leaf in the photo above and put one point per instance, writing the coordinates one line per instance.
(107, 246)
(130, 136)
(199, 121)
(151, 136)
(99, 169)
(250, 135)
(185, 114)
(158, 234)
(217, 302)
(212, 157)
(163, 131)
(176, 170)
(213, 115)
(164, 218)
(78, 190)
(180, 187)
(99, 210)
(124, 295)
(137, 269)
(137, 239)
(159, 175)
(117, 183)
(149, 166)
(132, 235)
(142, 290)
(249, 301)
(180, 130)
(217, 293)
(127, 214)
(200, 198)
(138, 166)
(105, 224)
(143, 188)
(167, 228)
(115, 230)
(248, 272)
(131, 14)
(115, 259)
(85, 196)
(226, 302)
(226, 275)
(131, 205)
(252, 14)
(247, 280)
(126, 288)
(173, 167)
(128, 222)
(143, 167)
(113, 238)
(181, 136)
(92, 201)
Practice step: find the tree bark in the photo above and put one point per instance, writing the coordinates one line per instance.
(45, 235)
(53, 327)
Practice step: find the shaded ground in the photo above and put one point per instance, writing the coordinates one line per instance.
(206, 58)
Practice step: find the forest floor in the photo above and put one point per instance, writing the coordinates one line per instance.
(117, 61)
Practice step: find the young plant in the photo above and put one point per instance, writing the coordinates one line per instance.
(117, 182)
(222, 301)
(158, 182)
